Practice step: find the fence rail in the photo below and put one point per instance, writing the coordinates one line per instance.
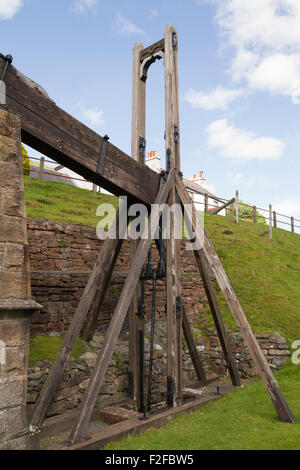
(232, 206)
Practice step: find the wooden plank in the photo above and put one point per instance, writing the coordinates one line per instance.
(270, 222)
(275, 219)
(53, 132)
(172, 143)
(95, 286)
(154, 48)
(255, 214)
(219, 209)
(237, 207)
(80, 429)
(138, 129)
(213, 303)
(41, 168)
(99, 439)
(260, 362)
(199, 369)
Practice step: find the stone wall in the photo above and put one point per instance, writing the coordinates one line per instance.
(61, 259)
(115, 387)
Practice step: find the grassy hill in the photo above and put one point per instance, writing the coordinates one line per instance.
(264, 274)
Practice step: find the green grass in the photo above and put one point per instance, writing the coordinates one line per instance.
(48, 347)
(264, 274)
(243, 420)
(61, 202)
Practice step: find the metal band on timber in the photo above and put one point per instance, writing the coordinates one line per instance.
(260, 362)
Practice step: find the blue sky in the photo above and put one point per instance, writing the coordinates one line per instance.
(239, 71)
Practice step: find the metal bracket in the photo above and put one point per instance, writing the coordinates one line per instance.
(142, 149)
(102, 155)
(178, 307)
(141, 308)
(145, 65)
(8, 60)
(170, 391)
(174, 41)
(176, 134)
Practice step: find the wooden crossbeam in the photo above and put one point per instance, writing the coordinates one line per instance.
(261, 365)
(219, 209)
(55, 133)
(81, 425)
(95, 288)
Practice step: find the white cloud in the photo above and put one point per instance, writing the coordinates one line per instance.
(254, 181)
(241, 144)
(92, 116)
(289, 206)
(8, 8)
(153, 14)
(124, 26)
(83, 6)
(219, 98)
(265, 38)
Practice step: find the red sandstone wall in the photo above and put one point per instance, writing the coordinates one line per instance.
(61, 259)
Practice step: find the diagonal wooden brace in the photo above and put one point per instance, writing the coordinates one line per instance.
(81, 425)
(95, 288)
(260, 362)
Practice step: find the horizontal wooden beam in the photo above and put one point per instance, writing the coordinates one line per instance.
(55, 133)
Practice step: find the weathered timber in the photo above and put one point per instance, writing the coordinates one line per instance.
(55, 133)
(138, 130)
(95, 287)
(153, 49)
(80, 428)
(172, 143)
(260, 362)
(213, 303)
(219, 209)
(199, 369)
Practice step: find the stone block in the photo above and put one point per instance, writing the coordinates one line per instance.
(12, 392)
(12, 229)
(15, 362)
(14, 285)
(13, 333)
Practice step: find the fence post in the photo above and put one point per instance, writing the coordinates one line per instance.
(94, 188)
(292, 224)
(232, 210)
(206, 202)
(275, 219)
(237, 206)
(254, 214)
(270, 221)
(41, 169)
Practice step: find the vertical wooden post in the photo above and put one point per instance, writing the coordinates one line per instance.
(274, 219)
(206, 202)
(270, 221)
(254, 214)
(94, 188)
(138, 132)
(292, 224)
(41, 169)
(174, 318)
(237, 206)
(232, 210)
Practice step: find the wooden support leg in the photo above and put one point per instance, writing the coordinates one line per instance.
(199, 369)
(212, 300)
(174, 320)
(261, 364)
(96, 286)
(138, 147)
(81, 425)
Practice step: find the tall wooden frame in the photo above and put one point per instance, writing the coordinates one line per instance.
(47, 128)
